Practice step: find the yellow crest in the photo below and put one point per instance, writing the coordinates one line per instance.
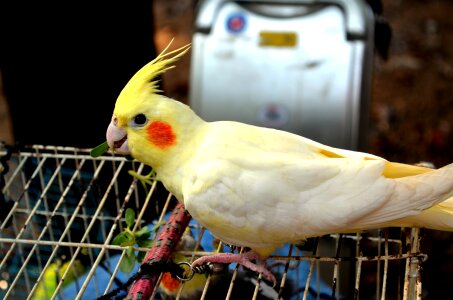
(145, 78)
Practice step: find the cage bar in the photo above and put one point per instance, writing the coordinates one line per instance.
(67, 207)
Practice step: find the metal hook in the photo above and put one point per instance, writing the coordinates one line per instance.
(191, 274)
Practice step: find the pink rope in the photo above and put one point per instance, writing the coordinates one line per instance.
(162, 249)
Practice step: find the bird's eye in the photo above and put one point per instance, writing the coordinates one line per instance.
(140, 119)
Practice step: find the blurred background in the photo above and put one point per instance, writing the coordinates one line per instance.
(62, 66)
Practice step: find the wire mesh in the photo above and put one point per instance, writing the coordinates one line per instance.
(62, 209)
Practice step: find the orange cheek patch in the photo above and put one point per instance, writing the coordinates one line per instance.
(161, 134)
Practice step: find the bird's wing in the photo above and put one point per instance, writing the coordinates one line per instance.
(268, 196)
(249, 185)
(267, 139)
(225, 133)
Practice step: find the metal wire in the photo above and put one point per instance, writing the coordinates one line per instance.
(68, 207)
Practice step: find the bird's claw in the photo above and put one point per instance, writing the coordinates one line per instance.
(243, 259)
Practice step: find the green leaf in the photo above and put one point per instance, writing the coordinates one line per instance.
(128, 243)
(99, 150)
(145, 243)
(130, 217)
(123, 239)
(141, 256)
(128, 262)
(142, 231)
(143, 237)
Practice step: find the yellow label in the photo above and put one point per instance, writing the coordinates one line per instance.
(278, 39)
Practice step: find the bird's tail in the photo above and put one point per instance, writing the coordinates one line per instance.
(428, 199)
(438, 217)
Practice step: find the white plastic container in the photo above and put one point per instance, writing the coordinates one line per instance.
(301, 66)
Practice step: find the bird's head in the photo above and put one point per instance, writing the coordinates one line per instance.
(145, 124)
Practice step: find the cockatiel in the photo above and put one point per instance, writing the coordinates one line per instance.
(259, 187)
(52, 276)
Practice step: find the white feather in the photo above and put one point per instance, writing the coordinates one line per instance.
(254, 193)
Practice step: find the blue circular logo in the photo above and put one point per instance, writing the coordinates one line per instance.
(236, 23)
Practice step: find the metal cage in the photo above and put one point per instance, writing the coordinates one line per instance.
(62, 208)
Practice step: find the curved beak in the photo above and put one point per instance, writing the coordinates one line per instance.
(117, 137)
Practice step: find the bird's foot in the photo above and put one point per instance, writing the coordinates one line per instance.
(244, 259)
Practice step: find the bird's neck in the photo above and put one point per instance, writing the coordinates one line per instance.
(173, 164)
